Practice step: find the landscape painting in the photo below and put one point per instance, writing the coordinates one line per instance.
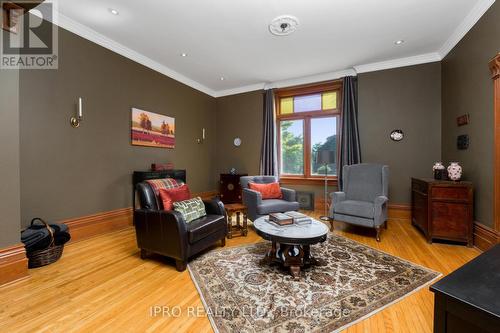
(152, 129)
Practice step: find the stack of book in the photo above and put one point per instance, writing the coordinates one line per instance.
(280, 219)
(289, 218)
(299, 218)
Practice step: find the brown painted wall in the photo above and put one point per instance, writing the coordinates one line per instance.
(69, 172)
(9, 160)
(239, 116)
(409, 99)
(415, 108)
(468, 88)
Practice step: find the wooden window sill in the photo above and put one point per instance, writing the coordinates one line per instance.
(307, 181)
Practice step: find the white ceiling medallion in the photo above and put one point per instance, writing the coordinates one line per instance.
(283, 25)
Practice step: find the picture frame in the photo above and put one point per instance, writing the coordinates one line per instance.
(152, 129)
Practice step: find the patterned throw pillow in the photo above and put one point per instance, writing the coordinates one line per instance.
(191, 209)
(169, 196)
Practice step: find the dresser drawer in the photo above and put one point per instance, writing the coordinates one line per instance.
(450, 193)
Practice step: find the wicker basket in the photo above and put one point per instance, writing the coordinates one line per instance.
(47, 256)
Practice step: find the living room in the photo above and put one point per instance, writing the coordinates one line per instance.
(245, 94)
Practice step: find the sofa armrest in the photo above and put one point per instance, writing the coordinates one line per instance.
(288, 194)
(251, 197)
(214, 206)
(161, 231)
(380, 200)
(380, 204)
(335, 197)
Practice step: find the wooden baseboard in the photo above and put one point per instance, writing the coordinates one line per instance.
(100, 223)
(399, 212)
(13, 264)
(485, 237)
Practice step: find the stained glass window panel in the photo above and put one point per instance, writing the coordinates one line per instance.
(329, 100)
(286, 105)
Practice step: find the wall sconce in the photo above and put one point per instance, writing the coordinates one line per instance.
(75, 121)
(202, 136)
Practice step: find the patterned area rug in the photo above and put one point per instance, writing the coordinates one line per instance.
(241, 294)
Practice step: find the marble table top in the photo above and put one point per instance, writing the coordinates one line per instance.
(295, 231)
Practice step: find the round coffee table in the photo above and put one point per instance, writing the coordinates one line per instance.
(294, 250)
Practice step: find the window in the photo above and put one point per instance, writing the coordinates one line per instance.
(308, 119)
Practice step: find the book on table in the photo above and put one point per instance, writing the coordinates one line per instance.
(299, 218)
(280, 219)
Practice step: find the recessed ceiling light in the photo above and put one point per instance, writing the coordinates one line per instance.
(222, 78)
(399, 42)
(113, 11)
(184, 54)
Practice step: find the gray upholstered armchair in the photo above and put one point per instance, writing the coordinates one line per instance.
(258, 207)
(364, 199)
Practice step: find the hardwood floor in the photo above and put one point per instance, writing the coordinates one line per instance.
(101, 285)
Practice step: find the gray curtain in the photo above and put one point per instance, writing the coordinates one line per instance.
(349, 148)
(268, 159)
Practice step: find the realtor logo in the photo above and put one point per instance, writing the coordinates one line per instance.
(29, 39)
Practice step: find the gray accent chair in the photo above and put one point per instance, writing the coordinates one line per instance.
(364, 198)
(257, 207)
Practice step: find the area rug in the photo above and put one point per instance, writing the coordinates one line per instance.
(241, 294)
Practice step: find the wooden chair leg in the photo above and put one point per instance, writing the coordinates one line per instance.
(385, 225)
(377, 237)
(223, 242)
(180, 265)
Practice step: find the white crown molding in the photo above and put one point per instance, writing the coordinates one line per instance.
(401, 62)
(288, 83)
(239, 90)
(312, 79)
(92, 35)
(470, 20)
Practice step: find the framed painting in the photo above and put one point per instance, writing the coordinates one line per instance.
(152, 129)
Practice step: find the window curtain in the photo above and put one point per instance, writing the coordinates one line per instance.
(349, 148)
(268, 157)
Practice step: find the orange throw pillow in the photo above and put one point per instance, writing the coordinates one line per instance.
(268, 191)
(171, 195)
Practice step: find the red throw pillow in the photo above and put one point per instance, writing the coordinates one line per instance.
(171, 195)
(268, 191)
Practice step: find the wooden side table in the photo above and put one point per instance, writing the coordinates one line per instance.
(239, 210)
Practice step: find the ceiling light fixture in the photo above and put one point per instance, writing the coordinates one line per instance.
(399, 42)
(283, 25)
(113, 11)
(184, 54)
(222, 78)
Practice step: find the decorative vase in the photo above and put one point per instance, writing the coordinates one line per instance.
(439, 171)
(454, 171)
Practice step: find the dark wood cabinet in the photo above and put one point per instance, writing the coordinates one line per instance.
(230, 188)
(468, 299)
(442, 209)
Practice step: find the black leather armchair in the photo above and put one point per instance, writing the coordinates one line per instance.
(166, 232)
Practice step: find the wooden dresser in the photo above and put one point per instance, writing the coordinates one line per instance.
(442, 209)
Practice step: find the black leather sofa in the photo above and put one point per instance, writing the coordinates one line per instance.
(166, 232)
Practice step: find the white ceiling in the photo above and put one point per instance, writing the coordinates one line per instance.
(230, 38)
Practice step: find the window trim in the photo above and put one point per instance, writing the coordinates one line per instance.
(307, 177)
